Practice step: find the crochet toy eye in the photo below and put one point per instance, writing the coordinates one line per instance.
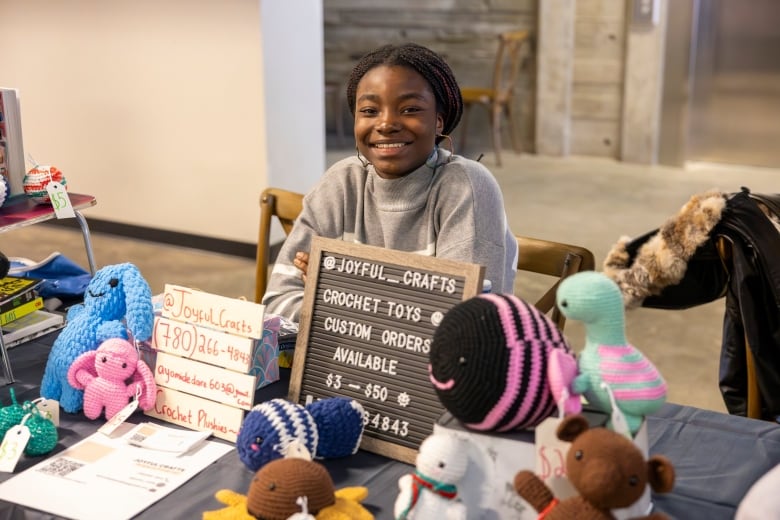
(564, 303)
(124, 365)
(258, 440)
(578, 454)
(633, 480)
(461, 360)
(442, 464)
(271, 486)
(113, 282)
(103, 359)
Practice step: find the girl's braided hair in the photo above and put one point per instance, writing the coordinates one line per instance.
(424, 61)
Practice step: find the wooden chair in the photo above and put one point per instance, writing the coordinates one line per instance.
(552, 259)
(497, 99)
(285, 206)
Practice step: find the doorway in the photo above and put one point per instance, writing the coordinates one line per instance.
(722, 83)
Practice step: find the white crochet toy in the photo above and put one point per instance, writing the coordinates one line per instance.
(430, 492)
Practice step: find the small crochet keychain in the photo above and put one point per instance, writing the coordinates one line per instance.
(43, 433)
(32, 433)
(37, 179)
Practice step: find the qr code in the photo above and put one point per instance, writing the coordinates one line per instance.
(60, 467)
(137, 439)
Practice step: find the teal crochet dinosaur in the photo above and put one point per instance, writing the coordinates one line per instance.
(636, 384)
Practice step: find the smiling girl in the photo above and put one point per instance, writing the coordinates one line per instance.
(401, 190)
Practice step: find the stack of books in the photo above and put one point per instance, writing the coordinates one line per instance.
(11, 145)
(22, 316)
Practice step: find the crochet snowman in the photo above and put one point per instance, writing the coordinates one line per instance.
(431, 492)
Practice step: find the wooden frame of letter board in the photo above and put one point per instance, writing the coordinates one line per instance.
(314, 364)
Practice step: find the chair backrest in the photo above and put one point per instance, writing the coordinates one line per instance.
(285, 206)
(552, 259)
(512, 50)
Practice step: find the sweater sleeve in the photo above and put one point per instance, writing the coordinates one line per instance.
(320, 217)
(473, 225)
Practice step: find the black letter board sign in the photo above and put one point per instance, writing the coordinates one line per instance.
(366, 326)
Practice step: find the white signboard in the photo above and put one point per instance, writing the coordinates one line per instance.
(210, 346)
(212, 311)
(197, 413)
(218, 384)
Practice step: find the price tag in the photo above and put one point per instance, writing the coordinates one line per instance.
(296, 450)
(60, 200)
(618, 420)
(120, 417)
(49, 408)
(303, 502)
(12, 448)
(551, 458)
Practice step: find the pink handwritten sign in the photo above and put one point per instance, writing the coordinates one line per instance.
(205, 345)
(231, 315)
(197, 413)
(201, 344)
(208, 381)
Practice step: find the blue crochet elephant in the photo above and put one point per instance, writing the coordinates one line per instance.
(118, 300)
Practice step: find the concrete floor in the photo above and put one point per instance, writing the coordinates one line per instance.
(584, 201)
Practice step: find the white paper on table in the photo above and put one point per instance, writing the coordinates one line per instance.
(103, 477)
(161, 438)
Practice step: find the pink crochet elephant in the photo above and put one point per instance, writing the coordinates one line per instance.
(104, 373)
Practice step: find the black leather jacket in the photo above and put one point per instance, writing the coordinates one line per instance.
(750, 282)
(752, 303)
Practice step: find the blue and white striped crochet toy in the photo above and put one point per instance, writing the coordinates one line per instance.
(117, 304)
(328, 428)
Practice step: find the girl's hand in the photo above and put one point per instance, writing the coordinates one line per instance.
(301, 261)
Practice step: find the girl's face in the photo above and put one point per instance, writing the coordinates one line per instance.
(395, 120)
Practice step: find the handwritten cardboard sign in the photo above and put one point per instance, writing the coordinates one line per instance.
(197, 413)
(209, 381)
(204, 346)
(210, 346)
(230, 315)
(366, 326)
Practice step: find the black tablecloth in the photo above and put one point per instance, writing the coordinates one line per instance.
(717, 457)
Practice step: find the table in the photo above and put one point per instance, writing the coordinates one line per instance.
(21, 211)
(717, 457)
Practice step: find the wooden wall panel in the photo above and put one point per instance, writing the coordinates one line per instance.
(595, 137)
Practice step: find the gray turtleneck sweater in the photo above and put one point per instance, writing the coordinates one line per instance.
(451, 207)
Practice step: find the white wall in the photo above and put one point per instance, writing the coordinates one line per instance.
(157, 107)
(294, 77)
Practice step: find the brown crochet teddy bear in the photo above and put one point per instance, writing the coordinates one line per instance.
(607, 470)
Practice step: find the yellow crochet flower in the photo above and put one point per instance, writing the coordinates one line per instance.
(347, 507)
